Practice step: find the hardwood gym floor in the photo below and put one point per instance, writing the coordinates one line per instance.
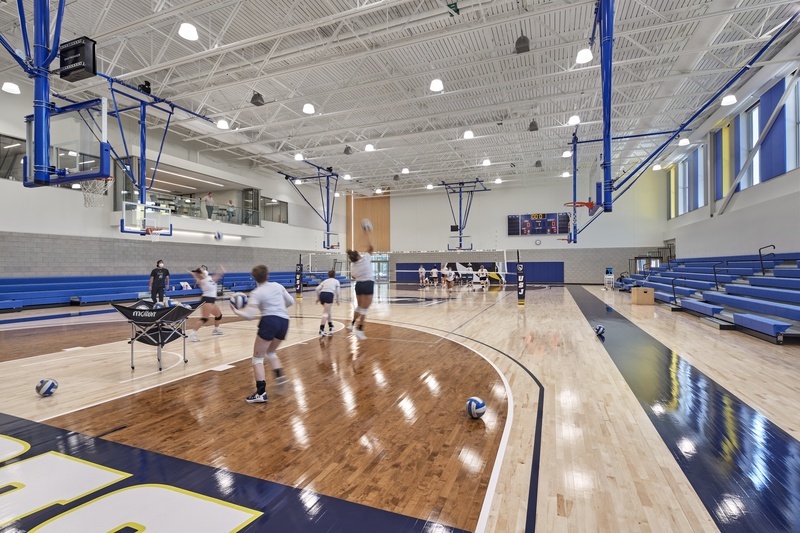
(567, 444)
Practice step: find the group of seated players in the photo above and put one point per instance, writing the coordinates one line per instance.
(449, 277)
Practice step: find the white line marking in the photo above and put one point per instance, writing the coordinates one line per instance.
(222, 368)
(71, 349)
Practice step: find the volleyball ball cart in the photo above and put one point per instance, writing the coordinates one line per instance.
(155, 326)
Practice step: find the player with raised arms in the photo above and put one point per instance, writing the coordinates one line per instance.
(327, 292)
(361, 272)
(270, 300)
(208, 301)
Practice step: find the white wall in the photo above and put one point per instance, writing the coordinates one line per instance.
(422, 222)
(50, 210)
(768, 213)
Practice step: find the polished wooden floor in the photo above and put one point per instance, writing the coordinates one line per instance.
(381, 421)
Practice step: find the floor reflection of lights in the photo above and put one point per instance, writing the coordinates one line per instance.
(408, 409)
(569, 432)
(471, 460)
(687, 447)
(729, 509)
(579, 480)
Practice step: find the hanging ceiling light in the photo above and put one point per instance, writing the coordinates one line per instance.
(728, 99)
(522, 45)
(683, 142)
(533, 126)
(567, 153)
(498, 181)
(538, 163)
(437, 85)
(298, 157)
(378, 190)
(486, 162)
(257, 99)
(298, 182)
(188, 31)
(565, 174)
(468, 134)
(404, 171)
(336, 195)
(369, 148)
(222, 124)
(656, 167)
(584, 56)
(10, 87)
(429, 186)
(347, 177)
(308, 109)
(574, 120)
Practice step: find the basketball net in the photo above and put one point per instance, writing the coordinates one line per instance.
(155, 233)
(94, 191)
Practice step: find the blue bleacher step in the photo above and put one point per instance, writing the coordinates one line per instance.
(664, 297)
(701, 307)
(772, 281)
(761, 324)
(767, 293)
(776, 309)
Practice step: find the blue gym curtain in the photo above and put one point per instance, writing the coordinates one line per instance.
(773, 149)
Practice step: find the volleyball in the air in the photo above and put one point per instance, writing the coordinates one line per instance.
(476, 407)
(46, 387)
(218, 236)
(366, 225)
(238, 300)
(599, 330)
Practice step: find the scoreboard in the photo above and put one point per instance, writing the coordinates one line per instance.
(538, 224)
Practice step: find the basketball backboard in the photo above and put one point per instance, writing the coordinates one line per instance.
(143, 219)
(76, 141)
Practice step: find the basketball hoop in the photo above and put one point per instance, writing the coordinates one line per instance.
(94, 191)
(155, 233)
(590, 205)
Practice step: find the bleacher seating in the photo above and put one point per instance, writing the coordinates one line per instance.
(761, 324)
(763, 303)
(20, 293)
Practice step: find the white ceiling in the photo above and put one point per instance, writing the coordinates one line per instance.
(366, 65)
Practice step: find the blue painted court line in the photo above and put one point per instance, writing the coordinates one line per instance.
(60, 315)
(744, 468)
(280, 507)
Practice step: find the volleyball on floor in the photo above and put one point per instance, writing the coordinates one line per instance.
(238, 300)
(599, 330)
(366, 225)
(46, 387)
(218, 236)
(476, 407)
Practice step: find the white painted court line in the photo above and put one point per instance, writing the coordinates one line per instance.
(179, 361)
(222, 368)
(71, 349)
(155, 385)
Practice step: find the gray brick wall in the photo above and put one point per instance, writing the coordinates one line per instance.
(34, 255)
(581, 265)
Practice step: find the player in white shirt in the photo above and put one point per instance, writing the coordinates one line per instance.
(270, 300)
(435, 276)
(449, 276)
(483, 277)
(208, 301)
(421, 276)
(327, 292)
(361, 272)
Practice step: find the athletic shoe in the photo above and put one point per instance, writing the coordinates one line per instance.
(330, 331)
(193, 337)
(280, 380)
(360, 335)
(322, 333)
(217, 331)
(350, 327)
(256, 398)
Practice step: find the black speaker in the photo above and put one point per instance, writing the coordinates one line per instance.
(453, 227)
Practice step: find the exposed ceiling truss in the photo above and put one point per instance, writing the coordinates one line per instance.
(366, 66)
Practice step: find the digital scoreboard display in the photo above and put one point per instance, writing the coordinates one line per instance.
(538, 224)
